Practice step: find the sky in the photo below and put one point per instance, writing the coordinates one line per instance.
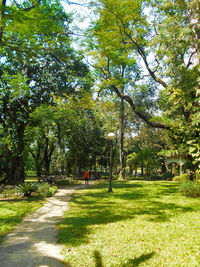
(81, 12)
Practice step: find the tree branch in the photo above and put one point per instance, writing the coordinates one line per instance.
(75, 3)
(144, 57)
(33, 155)
(140, 51)
(2, 17)
(190, 58)
(33, 6)
(2, 13)
(138, 113)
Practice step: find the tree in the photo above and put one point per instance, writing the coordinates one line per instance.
(132, 162)
(37, 63)
(144, 150)
(162, 37)
(68, 131)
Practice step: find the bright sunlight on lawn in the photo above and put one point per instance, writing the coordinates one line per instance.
(12, 212)
(140, 224)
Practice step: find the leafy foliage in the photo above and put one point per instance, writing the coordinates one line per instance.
(38, 66)
(182, 178)
(9, 191)
(46, 190)
(164, 35)
(190, 189)
(26, 189)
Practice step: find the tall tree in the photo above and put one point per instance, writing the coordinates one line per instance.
(162, 37)
(37, 63)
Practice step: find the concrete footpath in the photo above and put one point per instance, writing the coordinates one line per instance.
(33, 242)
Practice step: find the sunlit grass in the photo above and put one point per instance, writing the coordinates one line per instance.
(13, 207)
(140, 224)
(12, 212)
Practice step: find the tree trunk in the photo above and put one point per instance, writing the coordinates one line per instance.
(46, 164)
(38, 170)
(122, 161)
(142, 169)
(15, 173)
(135, 171)
(48, 151)
(95, 164)
(76, 163)
(38, 161)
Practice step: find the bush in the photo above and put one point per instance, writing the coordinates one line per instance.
(155, 177)
(46, 190)
(51, 191)
(8, 191)
(167, 175)
(62, 182)
(2, 187)
(182, 178)
(136, 178)
(26, 189)
(31, 173)
(190, 189)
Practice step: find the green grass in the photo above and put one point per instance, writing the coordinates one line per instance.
(13, 208)
(12, 212)
(140, 224)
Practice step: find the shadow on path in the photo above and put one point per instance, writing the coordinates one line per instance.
(33, 242)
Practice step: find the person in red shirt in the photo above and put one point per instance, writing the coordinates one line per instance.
(86, 176)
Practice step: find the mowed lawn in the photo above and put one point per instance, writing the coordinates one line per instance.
(140, 224)
(13, 211)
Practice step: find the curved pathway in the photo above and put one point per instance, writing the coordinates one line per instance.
(33, 242)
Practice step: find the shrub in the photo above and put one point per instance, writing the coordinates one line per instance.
(46, 190)
(190, 189)
(182, 178)
(2, 187)
(167, 175)
(26, 189)
(62, 182)
(8, 191)
(136, 178)
(43, 189)
(51, 191)
(155, 177)
(31, 173)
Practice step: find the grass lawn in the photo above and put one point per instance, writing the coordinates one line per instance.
(12, 212)
(140, 224)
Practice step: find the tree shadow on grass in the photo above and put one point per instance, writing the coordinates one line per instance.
(124, 185)
(136, 262)
(92, 197)
(168, 189)
(99, 208)
(163, 212)
(23, 199)
(98, 259)
(131, 263)
(13, 220)
(75, 230)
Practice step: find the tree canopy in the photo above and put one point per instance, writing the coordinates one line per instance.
(144, 53)
(160, 41)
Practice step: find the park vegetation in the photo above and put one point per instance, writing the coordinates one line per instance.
(134, 72)
(143, 223)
